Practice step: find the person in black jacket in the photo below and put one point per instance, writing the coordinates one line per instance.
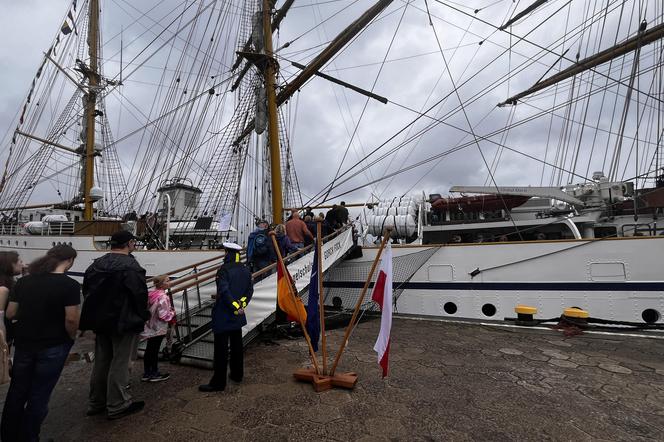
(115, 308)
(234, 290)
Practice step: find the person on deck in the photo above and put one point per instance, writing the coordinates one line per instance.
(311, 225)
(297, 231)
(309, 212)
(342, 214)
(45, 304)
(234, 291)
(331, 217)
(260, 252)
(286, 247)
(115, 307)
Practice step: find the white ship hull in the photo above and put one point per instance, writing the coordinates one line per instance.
(89, 248)
(618, 279)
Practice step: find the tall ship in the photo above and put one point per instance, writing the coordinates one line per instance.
(187, 123)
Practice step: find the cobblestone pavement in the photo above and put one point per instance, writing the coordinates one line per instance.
(448, 381)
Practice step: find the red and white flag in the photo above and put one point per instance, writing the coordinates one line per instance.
(382, 295)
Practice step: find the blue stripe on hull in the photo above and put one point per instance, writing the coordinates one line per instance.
(513, 286)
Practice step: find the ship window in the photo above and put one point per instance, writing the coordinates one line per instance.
(650, 316)
(604, 232)
(190, 199)
(489, 310)
(440, 273)
(31, 216)
(450, 308)
(607, 271)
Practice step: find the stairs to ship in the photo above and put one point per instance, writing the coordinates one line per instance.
(192, 288)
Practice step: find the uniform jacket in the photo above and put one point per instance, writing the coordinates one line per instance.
(115, 295)
(233, 282)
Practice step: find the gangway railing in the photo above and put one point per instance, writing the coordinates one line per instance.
(193, 287)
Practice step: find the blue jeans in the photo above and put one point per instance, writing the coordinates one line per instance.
(34, 375)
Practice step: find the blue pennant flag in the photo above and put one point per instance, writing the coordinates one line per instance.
(313, 315)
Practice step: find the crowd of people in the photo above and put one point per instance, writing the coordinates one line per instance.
(41, 313)
(298, 232)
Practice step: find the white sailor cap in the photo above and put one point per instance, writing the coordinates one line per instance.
(232, 246)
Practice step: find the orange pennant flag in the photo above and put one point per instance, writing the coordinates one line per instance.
(287, 299)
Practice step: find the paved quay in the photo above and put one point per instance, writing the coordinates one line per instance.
(448, 381)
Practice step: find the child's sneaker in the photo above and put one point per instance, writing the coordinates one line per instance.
(158, 377)
(146, 377)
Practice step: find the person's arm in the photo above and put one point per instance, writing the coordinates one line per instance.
(6, 307)
(11, 311)
(134, 280)
(224, 291)
(72, 316)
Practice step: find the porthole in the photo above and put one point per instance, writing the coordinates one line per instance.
(450, 308)
(650, 316)
(489, 310)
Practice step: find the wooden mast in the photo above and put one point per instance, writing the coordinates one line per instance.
(273, 123)
(319, 61)
(91, 108)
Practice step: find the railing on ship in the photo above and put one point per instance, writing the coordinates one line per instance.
(48, 228)
(201, 274)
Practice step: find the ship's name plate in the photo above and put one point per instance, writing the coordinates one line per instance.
(515, 189)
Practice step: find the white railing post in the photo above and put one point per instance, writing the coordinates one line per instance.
(167, 198)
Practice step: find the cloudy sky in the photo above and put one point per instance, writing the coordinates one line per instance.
(330, 122)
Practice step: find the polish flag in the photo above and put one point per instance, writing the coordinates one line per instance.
(382, 295)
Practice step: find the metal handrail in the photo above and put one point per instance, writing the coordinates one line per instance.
(261, 272)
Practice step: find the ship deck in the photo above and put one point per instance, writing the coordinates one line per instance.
(448, 381)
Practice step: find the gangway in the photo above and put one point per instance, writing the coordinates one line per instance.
(192, 288)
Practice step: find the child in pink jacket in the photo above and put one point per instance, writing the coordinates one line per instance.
(162, 313)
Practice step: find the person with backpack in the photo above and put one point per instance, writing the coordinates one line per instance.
(234, 291)
(162, 312)
(260, 252)
(115, 307)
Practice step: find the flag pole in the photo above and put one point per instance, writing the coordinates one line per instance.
(280, 262)
(386, 237)
(321, 303)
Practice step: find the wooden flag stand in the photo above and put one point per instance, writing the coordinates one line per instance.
(322, 380)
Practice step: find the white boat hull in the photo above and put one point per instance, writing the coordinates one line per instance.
(617, 279)
(155, 262)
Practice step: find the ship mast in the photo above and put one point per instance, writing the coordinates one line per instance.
(90, 109)
(273, 124)
(309, 71)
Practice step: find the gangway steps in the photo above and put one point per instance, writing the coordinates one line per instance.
(196, 334)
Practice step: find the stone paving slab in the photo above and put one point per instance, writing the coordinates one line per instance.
(448, 381)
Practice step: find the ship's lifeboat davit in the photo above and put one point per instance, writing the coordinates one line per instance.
(478, 203)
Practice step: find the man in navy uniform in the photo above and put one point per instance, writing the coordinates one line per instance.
(234, 290)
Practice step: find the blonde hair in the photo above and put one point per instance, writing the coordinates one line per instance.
(280, 229)
(160, 280)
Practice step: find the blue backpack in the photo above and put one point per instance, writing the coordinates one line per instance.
(261, 247)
